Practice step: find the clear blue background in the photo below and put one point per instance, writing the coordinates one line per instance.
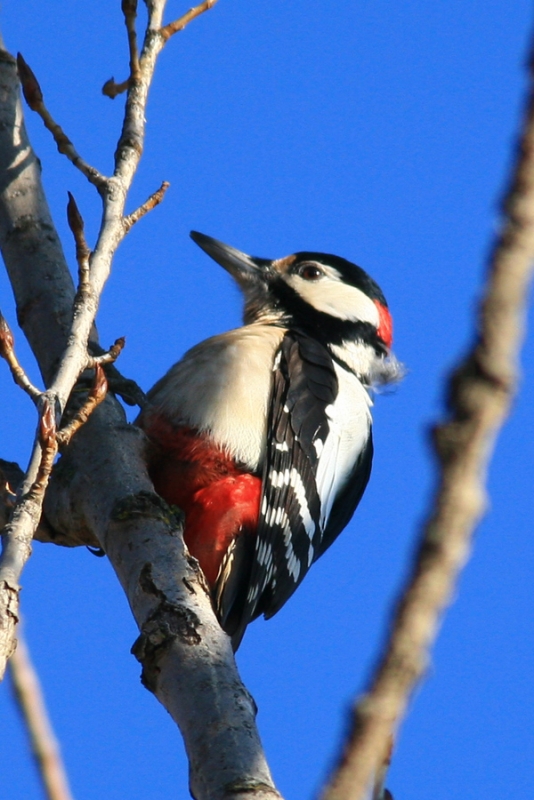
(381, 132)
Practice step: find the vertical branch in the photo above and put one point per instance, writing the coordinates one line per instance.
(187, 659)
(94, 271)
(31, 702)
(30, 246)
(129, 9)
(479, 395)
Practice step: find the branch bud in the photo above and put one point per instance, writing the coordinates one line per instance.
(74, 218)
(117, 347)
(47, 424)
(30, 85)
(129, 7)
(6, 337)
(100, 385)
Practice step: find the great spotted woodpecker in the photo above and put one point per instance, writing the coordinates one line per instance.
(262, 435)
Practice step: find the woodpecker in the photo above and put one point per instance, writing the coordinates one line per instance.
(262, 435)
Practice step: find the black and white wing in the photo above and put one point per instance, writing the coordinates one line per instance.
(315, 469)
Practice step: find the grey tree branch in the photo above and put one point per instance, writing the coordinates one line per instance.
(480, 392)
(27, 512)
(100, 486)
(34, 97)
(154, 200)
(11, 477)
(30, 700)
(7, 352)
(186, 658)
(179, 24)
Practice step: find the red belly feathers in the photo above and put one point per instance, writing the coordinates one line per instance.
(219, 500)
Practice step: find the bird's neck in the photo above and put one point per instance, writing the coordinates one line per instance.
(372, 367)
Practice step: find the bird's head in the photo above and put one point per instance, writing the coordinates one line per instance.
(324, 295)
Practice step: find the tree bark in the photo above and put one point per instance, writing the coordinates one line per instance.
(101, 486)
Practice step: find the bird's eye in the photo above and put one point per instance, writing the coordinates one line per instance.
(310, 272)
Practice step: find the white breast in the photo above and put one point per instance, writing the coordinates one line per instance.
(222, 386)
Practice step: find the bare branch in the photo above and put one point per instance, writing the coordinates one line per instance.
(44, 291)
(100, 484)
(7, 352)
(16, 549)
(34, 97)
(96, 396)
(479, 396)
(110, 356)
(153, 201)
(30, 246)
(110, 88)
(9, 609)
(126, 388)
(187, 659)
(179, 24)
(129, 9)
(11, 478)
(30, 700)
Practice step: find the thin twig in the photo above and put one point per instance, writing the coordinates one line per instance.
(7, 352)
(96, 396)
(110, 356)
(34, 97)
(187, 658)
(110, 88)
(18, 533)
(479, 396)
(31, 702)
(129, 9)
(179, 24)
(153, 201)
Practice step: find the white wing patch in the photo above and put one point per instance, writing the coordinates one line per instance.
(349, 424)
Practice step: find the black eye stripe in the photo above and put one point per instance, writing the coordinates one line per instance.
(321, 325)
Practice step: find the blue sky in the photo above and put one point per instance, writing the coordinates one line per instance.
(378, 131)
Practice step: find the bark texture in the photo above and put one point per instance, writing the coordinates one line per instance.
(100, 486)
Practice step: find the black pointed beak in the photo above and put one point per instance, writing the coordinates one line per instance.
(242, 267)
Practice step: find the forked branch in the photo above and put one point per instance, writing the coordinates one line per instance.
(110, 88)
(7, 352)
(187, 659)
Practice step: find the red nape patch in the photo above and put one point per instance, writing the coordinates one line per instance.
(219, 500)
(385, 324)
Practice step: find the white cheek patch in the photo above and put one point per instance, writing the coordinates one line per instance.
(331, 296)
